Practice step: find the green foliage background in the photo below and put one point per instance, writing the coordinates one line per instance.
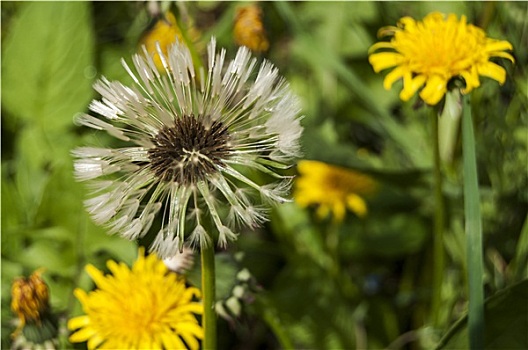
(373, 289)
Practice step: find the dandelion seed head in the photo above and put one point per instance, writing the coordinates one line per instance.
(189, 150)
(193, 139)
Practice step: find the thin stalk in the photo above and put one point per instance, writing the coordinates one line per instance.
(208, 297)
(473, 232)
(332, 245)
(438, 240)
(275, 325)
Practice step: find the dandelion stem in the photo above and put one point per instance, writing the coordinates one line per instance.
(438, 239)
(208, 297)
(473, 232)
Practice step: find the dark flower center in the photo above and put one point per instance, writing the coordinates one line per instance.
(189, 150)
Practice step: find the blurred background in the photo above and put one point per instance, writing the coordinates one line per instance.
(303, 280)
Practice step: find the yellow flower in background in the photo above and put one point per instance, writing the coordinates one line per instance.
(145, 307)
(29, 298)
(249, 30)
(432, 51)
(333, 189)
(166, 31)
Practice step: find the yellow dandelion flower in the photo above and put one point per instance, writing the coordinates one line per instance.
(249, 30)
(30, 298)
(145, 307)
(333, 189)
(435, 50)
(165, 32)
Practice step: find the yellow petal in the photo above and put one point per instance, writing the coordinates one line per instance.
(357, 204)
(95, 341)
(96, 275)
(191, 341)
(165, 32)
(195, 329)
(434, 90)
(407, 22)
(196, 308)
(171, 341)
(493, 71)
(503, 55)
(82, 296)
(394, 75)
(411, 85)
(498, 45)
(384, 60)
(322, 211)
(78, 322)
(82, 335)
(387, 31)
(339, 211)
(309, 166)
(471, 78)
(380, 45)
(145, 342)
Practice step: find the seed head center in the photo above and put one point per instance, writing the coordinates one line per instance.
(189, 150)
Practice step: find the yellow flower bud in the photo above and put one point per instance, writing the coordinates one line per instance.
(249, 30)
(165, 32)
(30, 298)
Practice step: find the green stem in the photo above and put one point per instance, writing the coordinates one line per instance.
(332, 244)
(208, 297)
(347, 288)
(473, 232)
(270, 317)
(438, 240)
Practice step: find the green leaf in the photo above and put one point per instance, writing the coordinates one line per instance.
(56, 256)
(506, 322)
(45, 61)
(292, 224)
(31, 177)
(338, 28)
(383, 236)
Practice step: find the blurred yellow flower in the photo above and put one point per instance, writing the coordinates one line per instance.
(30, 298)
(249, 30)
(144, 307)
(166, 31)
(333, 189)
(433, 51)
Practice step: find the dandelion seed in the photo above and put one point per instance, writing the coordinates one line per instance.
(193, 136)
(181, 262)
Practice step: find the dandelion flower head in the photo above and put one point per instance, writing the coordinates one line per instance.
(164, 33)
(193, 136)
(332, 189)
(145, 307)
(433, 51)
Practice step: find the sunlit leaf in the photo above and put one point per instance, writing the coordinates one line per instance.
(45, 63)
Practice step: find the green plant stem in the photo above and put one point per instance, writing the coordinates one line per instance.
(346, 287)
(438, 240)
(269, 315)
(208, 297)
(473, 232)
(332, 245)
